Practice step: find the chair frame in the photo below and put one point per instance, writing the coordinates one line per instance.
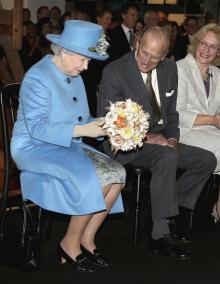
(7, 103)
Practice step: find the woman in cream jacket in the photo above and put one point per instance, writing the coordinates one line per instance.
(198, 101)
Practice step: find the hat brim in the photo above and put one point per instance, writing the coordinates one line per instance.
(56, 39)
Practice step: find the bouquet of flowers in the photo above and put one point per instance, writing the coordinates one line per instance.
(126, 125)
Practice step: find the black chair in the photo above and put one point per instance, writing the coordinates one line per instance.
(11, 196)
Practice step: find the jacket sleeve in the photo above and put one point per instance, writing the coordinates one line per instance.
(186, 117)
(35, 97)
(172, 127)
(109, 91)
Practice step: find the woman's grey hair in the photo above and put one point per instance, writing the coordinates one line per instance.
(198, 36)
(57, 49)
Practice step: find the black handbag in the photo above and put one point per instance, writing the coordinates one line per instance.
(19, 244)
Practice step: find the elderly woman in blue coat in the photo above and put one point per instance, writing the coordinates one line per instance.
(58, 171)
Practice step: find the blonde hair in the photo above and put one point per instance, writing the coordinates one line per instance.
(198, 36)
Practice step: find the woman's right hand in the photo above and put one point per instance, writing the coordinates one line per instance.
(91, 129)
(217, 120)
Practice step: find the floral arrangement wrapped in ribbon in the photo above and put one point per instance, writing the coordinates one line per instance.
(126, 125)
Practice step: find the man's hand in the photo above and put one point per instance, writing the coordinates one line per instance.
(156, 138)
(172, 142)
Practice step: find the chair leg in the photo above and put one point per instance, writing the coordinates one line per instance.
(191, 219)
(2, 222)
(209, 187)
(39, 217)
(137, 209)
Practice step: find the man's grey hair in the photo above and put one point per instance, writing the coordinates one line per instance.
(159, 33)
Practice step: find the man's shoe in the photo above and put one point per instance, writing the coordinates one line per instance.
(168, 247)
(183, 238)
(179, 228)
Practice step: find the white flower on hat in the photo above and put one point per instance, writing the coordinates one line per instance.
(102, 45)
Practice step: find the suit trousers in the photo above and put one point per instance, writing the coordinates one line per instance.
(167, 193)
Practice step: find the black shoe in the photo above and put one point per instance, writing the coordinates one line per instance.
(168, 247)
(81, 263)
(96, 258)
(183, 238)
(180, 226)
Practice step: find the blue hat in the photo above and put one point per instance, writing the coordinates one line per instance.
(82, 37)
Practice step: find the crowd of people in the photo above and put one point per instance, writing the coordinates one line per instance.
(137, 62)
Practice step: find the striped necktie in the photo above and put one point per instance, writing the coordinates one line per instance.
(153, 99)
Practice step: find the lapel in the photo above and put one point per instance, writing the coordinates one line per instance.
(214, 98)
(138, 92)
(162, 89)
(196, 80)
(124, 38)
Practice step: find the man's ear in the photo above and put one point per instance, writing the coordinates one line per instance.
(162, 59)
(123, 16)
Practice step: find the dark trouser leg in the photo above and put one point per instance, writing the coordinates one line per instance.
(162, 162)
(198, 164)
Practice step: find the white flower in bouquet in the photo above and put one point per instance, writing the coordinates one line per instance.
(126, 125)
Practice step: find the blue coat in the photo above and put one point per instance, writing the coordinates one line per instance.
(56, 174)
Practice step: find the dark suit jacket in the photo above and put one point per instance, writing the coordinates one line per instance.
(122, 80)
(119, 44)
(181, 46)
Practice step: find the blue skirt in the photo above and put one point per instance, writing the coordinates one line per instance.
(68, 180)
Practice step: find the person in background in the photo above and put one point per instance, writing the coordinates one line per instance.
(92, 76)
(43, 12)
(175, 31)
(30, 51)
(121, 38)
(80, 13)
(210, 18)
(26, 15)
(55, 15)
(64, 17)
(198, 101)
(44, 26)
(104, 18)
(138, 29)
(163, 17)
(169, 27)
(58, 171)
(151, 19)
(191, 26)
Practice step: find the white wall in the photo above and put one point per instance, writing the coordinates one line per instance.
(7, 4)
(33, 5)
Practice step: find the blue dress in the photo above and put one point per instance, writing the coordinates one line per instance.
(58, 172)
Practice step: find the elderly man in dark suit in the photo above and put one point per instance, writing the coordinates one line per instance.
(146, 77)
(121, 38)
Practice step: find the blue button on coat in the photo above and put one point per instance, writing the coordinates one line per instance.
(56, 174)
